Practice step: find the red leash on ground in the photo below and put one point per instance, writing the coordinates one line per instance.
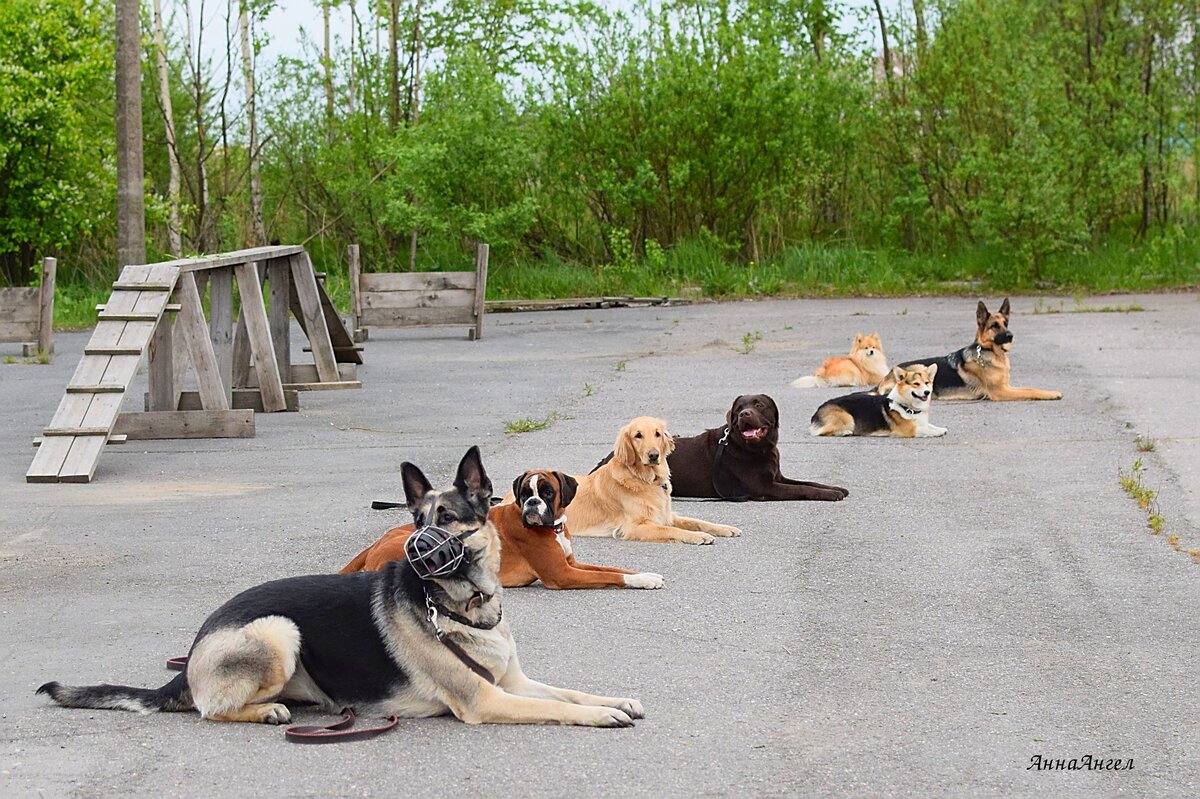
(343, 730)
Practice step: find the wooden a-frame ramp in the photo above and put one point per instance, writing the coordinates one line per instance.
(238, 370)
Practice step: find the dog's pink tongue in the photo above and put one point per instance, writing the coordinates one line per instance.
(756, 433)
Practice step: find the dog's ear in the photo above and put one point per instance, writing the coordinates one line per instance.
(858, 337)
(732, 410)
(415, 485)
(517, 485)
(472, 480)
(669, 446)
(981, 315)
(623, 450)
(774, 410)
(1004, 309)
(932, 370)
(897, 373)
(567, 485)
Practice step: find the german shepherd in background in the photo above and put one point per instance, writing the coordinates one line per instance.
(980, 370)
(371, 640)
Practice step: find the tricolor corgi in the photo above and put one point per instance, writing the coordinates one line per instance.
(903, 412)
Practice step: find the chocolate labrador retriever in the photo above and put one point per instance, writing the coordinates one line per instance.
(740, 460)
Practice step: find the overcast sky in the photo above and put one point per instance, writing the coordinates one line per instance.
(290, 17)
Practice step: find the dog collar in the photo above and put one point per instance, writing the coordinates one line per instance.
(560, 524)
(437, 608)
(907, 411)
(456, 650)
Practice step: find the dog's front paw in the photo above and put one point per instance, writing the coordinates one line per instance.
(703, 539)
(1055, 395)
(275, 713)
(725, 531)
(604, 717)
(631, 708)
(644, 580)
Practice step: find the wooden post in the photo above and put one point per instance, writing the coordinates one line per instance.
(314, 318)
(191, 321)
(355, 296)
(163, 388)
(279, 287)
(45, 340)
(481, 270)
(259, 334)
(220, 327)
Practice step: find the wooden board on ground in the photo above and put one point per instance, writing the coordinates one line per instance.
(583, 303)
(243, 399)
(186, 424)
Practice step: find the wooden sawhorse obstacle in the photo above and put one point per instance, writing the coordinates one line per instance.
(238, 369)
(419, 299)
(27, 314)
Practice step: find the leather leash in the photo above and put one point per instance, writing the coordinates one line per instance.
(717, 470)
(316, 733)
(456, 650)
(343, 730)
(379, 504)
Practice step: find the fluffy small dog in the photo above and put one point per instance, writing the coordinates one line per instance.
(866, 365)
(903, 412)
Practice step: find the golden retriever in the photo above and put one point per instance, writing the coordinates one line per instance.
(629, 496)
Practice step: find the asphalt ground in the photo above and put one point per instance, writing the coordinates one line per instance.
(979, 599)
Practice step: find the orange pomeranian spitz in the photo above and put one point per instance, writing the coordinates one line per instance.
(866, 365)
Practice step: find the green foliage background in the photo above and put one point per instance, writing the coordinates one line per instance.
(720, 146)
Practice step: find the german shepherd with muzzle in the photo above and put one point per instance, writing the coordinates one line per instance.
(980, 370)
(385, 643)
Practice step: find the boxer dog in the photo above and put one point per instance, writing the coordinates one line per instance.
(535, 541)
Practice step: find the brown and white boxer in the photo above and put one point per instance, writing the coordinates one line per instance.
(535, 541)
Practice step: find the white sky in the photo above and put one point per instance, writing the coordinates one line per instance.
(285, 24)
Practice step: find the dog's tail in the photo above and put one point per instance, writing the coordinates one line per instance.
(808, 381)
(173, 697)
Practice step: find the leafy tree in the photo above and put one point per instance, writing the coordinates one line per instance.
(56, 129)
(466, 169)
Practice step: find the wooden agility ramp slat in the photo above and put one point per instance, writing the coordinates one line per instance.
(239, 370)
(88, 411)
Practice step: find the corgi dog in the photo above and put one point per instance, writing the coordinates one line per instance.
(866, 365)
(903, 412)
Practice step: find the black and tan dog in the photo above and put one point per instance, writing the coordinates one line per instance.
(741, 459)
(980, 370)
(902, 413)
(536, 541)
(386, 642)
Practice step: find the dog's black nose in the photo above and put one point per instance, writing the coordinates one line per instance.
(652, 457)
(743, 412)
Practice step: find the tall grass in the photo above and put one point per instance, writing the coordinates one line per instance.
(701, 268)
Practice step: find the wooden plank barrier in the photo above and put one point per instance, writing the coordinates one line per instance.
(419, 299)
(27, 313)
(240, 367)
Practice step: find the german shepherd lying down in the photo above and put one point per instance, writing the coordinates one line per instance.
(980, 370)
(372, 640)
